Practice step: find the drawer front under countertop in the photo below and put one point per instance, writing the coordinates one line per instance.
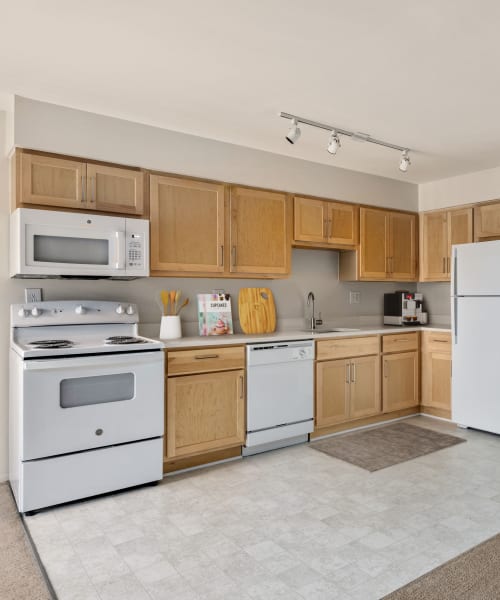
(400, 342)
(346, 347)
(203, 360)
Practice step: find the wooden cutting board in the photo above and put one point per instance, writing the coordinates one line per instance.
(257, 310)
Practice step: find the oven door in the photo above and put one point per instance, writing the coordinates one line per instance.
(73, 404)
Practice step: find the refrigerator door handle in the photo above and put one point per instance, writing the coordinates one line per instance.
(455, 320)
(455, 281)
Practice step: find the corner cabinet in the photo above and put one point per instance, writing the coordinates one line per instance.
(387, 248)
(439, 230)
(49, 181)
(205, 401)
(324, 224)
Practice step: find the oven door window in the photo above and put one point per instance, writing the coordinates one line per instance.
(70, 250)
(87, 391)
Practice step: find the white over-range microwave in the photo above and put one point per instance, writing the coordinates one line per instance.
(47, 243)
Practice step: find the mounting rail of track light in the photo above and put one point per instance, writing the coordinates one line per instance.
(334, 141)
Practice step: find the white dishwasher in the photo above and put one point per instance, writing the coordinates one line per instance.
(280, 395)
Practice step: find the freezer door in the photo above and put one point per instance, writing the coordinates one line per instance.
(476, 362)
(476, 269)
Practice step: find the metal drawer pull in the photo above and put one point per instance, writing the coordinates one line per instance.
(444, 264)
(441, 341)
(347, 373)
(83, 189)
(203, 356)
(241, 386)
(386, 369)
(222, 256)
(92, 190)
(233, 255)
(353, 373)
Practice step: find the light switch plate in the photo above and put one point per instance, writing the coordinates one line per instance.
(354, 297)
(33, 294)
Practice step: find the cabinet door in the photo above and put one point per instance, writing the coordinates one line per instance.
(460, 230)
(365, 387)
(436, 380)
(259, 233)
(309, 220)
(373, 244)
(400, 381)
(332, 392)
(487, 221)
(52, 181)
(403, 248)
(114, 189)
(435, 247)
(187, 225)
(342, 224)
(205, 412)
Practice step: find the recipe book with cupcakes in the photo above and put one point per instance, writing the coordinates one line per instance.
(214, 314)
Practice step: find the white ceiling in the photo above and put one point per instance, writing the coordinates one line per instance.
(418, 74)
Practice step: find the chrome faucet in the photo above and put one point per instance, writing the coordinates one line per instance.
(310, 300)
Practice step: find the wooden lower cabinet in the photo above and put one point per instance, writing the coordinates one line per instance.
(205, 412)
(400, 381)
(436, 373)
(347, 389)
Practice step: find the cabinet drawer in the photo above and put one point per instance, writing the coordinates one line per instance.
(182, 362)
(400, 342)
(345, 347)
(436, 342)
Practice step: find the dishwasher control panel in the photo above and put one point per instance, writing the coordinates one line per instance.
(279, 352)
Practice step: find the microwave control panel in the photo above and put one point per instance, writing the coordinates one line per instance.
(137, 247)
(135, 251)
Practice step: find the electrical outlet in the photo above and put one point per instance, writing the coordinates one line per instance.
(33, 294)
(354, 297)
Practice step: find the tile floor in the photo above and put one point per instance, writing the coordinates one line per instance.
(293, 524)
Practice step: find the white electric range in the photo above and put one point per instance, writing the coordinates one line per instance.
(86, 402)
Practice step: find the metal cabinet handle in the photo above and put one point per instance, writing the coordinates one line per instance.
(92, 190)
(330, 228)
(203, 356)
(222, 256)
(83, 189)
(241, 387)
(325, 232)
(448, 265)
(440, 341)
(233, 255)
(386, 369)
(347, 373)
(444, 264)
(353, 373)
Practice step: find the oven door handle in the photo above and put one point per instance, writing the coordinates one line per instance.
(102, 361)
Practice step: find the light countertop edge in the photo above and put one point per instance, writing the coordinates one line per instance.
(278, 336)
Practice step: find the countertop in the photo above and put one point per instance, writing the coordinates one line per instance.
(276, 336)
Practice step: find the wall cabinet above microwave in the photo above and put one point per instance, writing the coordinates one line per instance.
(45, 180)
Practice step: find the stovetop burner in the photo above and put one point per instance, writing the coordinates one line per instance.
(42, 344)
(116, 340)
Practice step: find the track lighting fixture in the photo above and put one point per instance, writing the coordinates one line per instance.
(334, 140)
(333, 143)
(294, 133)
(405, 161)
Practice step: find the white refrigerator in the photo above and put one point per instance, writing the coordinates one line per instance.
(475, 310)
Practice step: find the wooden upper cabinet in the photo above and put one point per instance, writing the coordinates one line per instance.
(387, 248)
(438, 232)
(114, 189)
(259, 237)
(402, 247)
(187, 225)
(374, 238)
(487, 221)
(45, 180)
(50, 181)
(325, 223)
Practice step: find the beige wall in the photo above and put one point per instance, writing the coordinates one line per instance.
(463, 189)
(52, 128)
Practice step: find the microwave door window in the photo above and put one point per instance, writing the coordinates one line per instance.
(70, 250)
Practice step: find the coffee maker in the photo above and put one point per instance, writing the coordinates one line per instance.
(404, 308)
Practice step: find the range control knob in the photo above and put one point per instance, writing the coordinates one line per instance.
(130, 309)
(120, 310)
(80, 310)
(23, 312)
(36, 312)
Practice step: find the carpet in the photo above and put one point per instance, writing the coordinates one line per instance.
(380, 447)
(474, 575)
(21, 577)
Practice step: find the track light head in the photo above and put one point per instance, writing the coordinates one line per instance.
(405, 161)
(333, 143)
(294, 133)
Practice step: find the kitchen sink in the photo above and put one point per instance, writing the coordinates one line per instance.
(332, 330)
